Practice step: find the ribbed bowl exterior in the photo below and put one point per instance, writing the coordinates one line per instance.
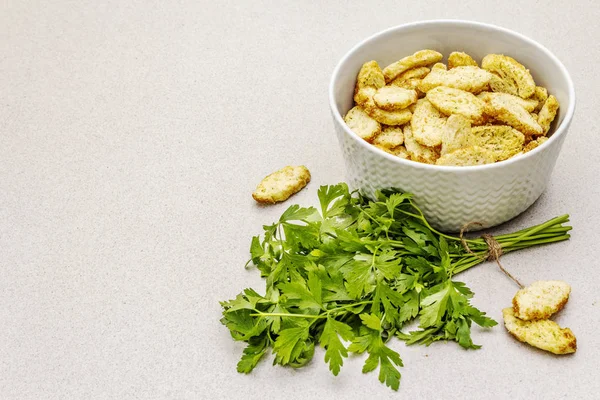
(449, 199)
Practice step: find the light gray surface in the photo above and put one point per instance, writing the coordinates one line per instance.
(132, 137)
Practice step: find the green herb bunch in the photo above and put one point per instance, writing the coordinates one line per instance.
(350, 277)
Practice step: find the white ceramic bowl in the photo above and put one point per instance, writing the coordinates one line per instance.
(452, 196)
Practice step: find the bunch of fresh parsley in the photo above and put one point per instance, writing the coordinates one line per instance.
(351, 276)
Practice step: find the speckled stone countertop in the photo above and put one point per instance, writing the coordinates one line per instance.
(132, 136)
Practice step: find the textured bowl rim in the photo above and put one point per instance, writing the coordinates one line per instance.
(559, 131)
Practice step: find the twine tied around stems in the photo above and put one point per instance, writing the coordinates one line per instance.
(494, 249)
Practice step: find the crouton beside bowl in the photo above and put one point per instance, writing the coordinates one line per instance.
(452, 196)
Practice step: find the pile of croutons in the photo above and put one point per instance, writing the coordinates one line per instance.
(460, 114)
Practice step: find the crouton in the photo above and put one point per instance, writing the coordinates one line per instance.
(399, 117)
(364, 98)
(399, 151)
(548, 113)
(456, 101)
(391, 98)
(514, 78)
(370, 74)
(413, 73)
(421, 58)
(456, 134)
(417, 151)
(390, 137)
(534, 143)
(472, 155)
(280, 185)
(427, 124)
(410, 84)
(362, 124)
(460, 59)
(501, 141)
(469, 78)
(513, 114)
(540, 95)
(543, 334)
(364, 95)
(541, 299)
(528, 104)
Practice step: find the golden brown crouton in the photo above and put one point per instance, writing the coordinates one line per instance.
(370, 78)
(427, 124)
(543, 334)
(361, 124)
(472, 155)
(399, 151)
(413, 73)
(391, 98)
(501, 141)
(417, 151)
(534, 143)
(513, 114)
(471, 79)
(456, 134)
(421, 58)
(484, 120)
(460, 59)
(371, 75)
(399, 117)
(456, 101)
(280, 185)
(540, 95)
(364, 97)
(390, 137)
(410, 84)
(410, 79)
(541, 299)
(528, 104)
(515, 79)
(499, 85)
(548, 113)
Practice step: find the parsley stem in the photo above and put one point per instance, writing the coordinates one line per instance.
(461, 268)
(319, 316)
(350, 305)
(538, 228)
(557, 229)
(424, 220)
(530, 243)
(262, 314)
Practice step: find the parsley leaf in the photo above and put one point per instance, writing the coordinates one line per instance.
(371, 321)
(290, 344)
(297, 213)
(434, 305)
(327, 195)
(379, 354)
(330, 340)
(256, 349)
